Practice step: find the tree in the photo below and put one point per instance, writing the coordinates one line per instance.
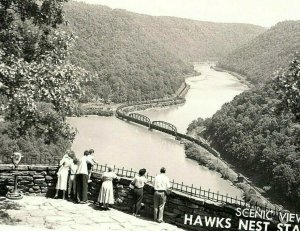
(34, 69)
(288, 87)
(283, 179)
(106, 92)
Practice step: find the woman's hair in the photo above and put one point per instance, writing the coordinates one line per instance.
(163, 170)
(91, 151)
(86, 153)
(71, 154)
(109, 169)
(142, 172)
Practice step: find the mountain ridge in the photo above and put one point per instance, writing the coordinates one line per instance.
(259, 59)
(136, 56)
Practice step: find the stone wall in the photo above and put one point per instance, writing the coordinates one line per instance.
(177, 207)
(32, 179)
(41, 180)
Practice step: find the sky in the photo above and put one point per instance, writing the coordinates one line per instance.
(259, 12)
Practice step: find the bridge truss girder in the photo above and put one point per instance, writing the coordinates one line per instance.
(140, 117)
(165, 125)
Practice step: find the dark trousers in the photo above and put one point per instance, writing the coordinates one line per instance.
(82, 187)
(137, 198)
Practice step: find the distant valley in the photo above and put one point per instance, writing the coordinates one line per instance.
(134, 56)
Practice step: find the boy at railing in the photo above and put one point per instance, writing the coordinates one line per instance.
(91, 163)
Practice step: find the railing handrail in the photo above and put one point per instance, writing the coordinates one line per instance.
(189, 190)
(180, 187)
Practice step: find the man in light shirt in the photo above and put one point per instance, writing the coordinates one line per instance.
(82, 179)
(161, 185)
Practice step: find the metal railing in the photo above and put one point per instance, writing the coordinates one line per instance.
(190, 190)
(197, 192)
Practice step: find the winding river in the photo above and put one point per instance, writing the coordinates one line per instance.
(131, 146)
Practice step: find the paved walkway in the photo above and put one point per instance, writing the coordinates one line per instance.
(39, 213)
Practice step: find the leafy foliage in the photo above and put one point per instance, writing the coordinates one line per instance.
(32, 144)
(28, 83)
(260, 136)
(138, 57)
(39, 85)
(269, 51)
(288, 87)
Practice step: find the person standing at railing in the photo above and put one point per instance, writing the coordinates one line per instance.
(82, 179)
(72, 179)
(106, 194)
(138, 191)
(161, 185)
(91, 163)
(62, 174)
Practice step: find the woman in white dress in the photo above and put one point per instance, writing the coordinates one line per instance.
(62, 174)
(106, 194)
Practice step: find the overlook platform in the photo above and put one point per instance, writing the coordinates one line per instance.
(40, 213)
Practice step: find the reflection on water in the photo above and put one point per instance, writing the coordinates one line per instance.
(130, 146)
(208, 92)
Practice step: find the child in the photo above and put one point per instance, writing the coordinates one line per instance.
(72, 178)
(90, 165)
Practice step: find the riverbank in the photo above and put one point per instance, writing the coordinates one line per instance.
(241, 78)
(158, 104)
(102, 109)
(252, 194)
(99, 109)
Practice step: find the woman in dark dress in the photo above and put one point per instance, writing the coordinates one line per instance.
(138, 191)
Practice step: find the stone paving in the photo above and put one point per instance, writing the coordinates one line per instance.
(40, 213)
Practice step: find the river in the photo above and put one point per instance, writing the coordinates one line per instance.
(129, 145)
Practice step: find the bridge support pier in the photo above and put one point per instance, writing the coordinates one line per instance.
(177, 138)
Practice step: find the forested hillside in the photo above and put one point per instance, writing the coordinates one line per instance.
(39, 86)
(140, 57)
(259, 132)
(266, 53)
